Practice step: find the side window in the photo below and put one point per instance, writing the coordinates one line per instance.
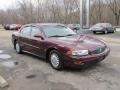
(35, 31)
(26, 31)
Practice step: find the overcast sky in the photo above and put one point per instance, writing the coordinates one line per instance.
(6, 3)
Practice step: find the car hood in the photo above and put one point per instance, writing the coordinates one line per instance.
(79, 42)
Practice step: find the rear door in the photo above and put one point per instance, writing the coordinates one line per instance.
(24, 38)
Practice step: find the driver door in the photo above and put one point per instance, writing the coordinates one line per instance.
(36, 42)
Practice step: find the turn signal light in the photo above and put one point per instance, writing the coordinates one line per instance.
(69, 53)
(78, 63)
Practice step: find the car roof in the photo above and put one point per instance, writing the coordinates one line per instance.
(102, 23)
(44, 24)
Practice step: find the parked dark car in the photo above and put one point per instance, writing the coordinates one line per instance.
(103, 27)
(74, 26)
(59, 45)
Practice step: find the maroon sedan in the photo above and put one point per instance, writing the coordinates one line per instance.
(59, 45)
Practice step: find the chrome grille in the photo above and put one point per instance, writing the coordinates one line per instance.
(98, 50)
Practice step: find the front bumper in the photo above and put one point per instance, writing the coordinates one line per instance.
(85, 60)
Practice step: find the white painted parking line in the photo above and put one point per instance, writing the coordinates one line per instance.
(3, 82)
(5, 56)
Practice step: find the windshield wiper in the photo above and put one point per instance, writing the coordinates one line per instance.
(56, 36)
(70, 34)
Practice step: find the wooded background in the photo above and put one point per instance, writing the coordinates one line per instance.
(60, 11)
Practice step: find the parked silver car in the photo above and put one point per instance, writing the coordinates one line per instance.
(103, 27)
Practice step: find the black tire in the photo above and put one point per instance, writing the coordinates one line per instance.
(59, 56)
(114, 31)
(17, 47)
(94, 32)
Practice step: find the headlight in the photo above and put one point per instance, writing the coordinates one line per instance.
(80, 52)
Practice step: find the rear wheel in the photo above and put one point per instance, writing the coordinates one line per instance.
(55, 59)
(105, 32)
(114, 31)
(18, 48)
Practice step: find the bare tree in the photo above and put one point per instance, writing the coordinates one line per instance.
(97, 11)
(114, 6)
(60, 11)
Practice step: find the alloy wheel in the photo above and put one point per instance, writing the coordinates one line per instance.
(17, 47)
(54, 60)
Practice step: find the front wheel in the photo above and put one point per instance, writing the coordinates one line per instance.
(55, 59)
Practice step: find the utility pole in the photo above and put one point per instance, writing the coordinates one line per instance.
(81, 13)
(87, 16)
(88, 13)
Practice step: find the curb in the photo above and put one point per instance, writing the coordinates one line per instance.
(3, 82)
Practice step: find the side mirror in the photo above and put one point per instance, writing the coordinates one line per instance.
(39, 36)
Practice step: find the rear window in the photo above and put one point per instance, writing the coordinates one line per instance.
(103, 24)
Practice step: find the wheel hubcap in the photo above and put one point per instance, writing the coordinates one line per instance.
(17, 47)
(105, 32)
(55, 60)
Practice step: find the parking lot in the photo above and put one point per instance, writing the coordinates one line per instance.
(26, 72)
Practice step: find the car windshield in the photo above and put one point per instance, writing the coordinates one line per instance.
(103, 25)
(57, 31)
